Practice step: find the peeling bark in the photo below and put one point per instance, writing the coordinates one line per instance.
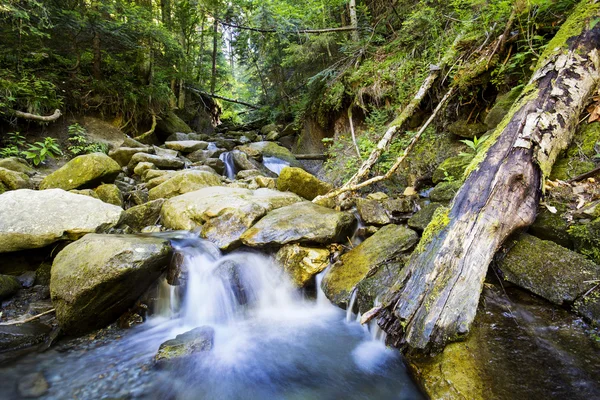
(435, 297)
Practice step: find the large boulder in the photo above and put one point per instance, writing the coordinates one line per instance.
(192, 342)
(17, 164)
(223, 213)
(303, 222)
(548, 270)
(123, 155)
(387, 245)
(86, 171)
(31, 219)
(13, 180)
(169, 123)
(162, 162)
(301, 262)
(184, 182)
(97, 278)
(297, 180)
(9, 285)
(385, 211)
(270, 149)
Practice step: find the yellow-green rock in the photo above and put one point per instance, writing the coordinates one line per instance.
(188, 343)
(86, 171)
(302, 263)
(184, 182)
(297, 180)
(9, 285)
(17, 164)
(12, 180)
(110, 193)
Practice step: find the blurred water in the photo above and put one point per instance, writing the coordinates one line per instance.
(275, 164)
(227, 159)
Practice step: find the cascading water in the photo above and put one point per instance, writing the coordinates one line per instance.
(275, 164)
(227, 159)
(270, 342)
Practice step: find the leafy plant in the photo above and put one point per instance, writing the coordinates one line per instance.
(13, 144)
(80, 144)
(475, 145)
(39, 151)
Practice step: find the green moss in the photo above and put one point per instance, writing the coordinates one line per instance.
(586, 238)
(439, 221)
(573, 26)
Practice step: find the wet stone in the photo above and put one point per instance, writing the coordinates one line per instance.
(33, 385)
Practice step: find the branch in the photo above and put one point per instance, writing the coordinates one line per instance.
(270, 30)
(399, 160)
(150, 132)
(35, 117)
(214, 96)
(28, 319)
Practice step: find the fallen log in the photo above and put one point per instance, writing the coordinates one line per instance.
(35, 117)
(434, 299)
(215, 96)
(320, 157)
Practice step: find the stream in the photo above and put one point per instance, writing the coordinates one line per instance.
(277, 344)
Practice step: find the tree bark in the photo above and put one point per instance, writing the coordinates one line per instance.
(354, 20)
(97, 61)
(213, 80)
(43, 118)
(434, 299)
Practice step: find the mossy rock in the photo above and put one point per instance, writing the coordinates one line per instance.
(184, 182)
(83, 172)
(552, 226)
(297, 180)
(579, 157)
(452, 168)
(302, 263)
(97, 278)
(9, 285)
(162, 162)
(423, 217)
(501, 107)
(444, 192)
(588, 306)
(197, 340)
(271, 149)
(586, 239)
(169, 124)
(377, 282)
(17, 164)
(386, 245)
(13, 180)
(123, 155)
(110, 193)
(467, 130)
(551, 271)
(385, 211)
(143, 215)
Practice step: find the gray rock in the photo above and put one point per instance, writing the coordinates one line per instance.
(13, 337)
(123, 155)
(184, 182)
(302, 222)
(385, 211)
(143, 215)
(158, 161)
(95, 279)
(187, 146)
(13, 180)
(423, 217)
(83, 172)
(32, 219)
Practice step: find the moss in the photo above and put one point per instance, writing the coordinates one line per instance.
(586, 238)
(439, 221)
(573, 26)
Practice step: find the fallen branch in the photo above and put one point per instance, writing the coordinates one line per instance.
(310, 156)
(150, 132)
(383, 144)
(352, 132)
(214, 96)
(28, 319)
(35, 117)
(588, 174)
(270, 30)
(399, 160)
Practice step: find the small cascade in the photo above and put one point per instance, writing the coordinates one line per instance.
(227, 159)
(359, 232)
(167, 304)
(349, 311)
(275, 164)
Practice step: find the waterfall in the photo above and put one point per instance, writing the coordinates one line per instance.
(227, 159)
(275, 164)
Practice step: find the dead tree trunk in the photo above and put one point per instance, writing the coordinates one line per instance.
(435, 297)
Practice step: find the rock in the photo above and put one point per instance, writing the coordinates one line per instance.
(166, 153)
(385, 211)
(9, 285)
(302, 263)
(85, 192)
(265, 182)
(547, 269)
(95, 279)
(184, 182)
(223, 213)
(13, 180)
(17, 164)
(13, 337)
(187, 146)
(297, 180)
(158, 161)
(444, 192)
(243, 162)
(142, 167)
(371, 289)
(265, 130)
(452, 169)
(467, 130)
(130, 142)
(110, 193)
(423, 217)
(180, 137)
(82, 172)
(123, 155)
(589, 307)
(216, 164)
(248, 173)
(271, 149)
(169, 123)
(501, 107)
(195, 341)
(551, 226)
(32, 385)
(139, 196)
(302, 222)
(27, 279)
(386, 245)
(32, 219)
(144, 215)
(377, 196)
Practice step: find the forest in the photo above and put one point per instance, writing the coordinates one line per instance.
(280, 199)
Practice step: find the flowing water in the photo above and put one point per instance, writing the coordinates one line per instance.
(275, 164)
(227, 159)
(270, 343)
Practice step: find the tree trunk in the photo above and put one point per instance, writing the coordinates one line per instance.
(435, 297)
(165, 11)
(213, 80)
(354, 20)
(97, 62)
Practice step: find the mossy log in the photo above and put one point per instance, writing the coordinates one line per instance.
(435, 297)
